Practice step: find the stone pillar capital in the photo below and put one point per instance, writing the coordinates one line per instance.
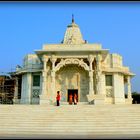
(53, 58)
(44, 58)
(90, 58)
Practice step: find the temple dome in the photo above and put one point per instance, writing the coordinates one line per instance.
(73, 34)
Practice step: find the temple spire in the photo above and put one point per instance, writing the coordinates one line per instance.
(72, 18)
(73, 34)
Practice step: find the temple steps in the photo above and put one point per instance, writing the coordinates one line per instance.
(65, 121)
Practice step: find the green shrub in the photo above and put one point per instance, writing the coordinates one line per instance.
(136, 98)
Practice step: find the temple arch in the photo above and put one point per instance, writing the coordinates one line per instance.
(72, 77)
(78, 62)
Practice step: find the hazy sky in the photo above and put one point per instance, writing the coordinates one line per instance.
(25, 27)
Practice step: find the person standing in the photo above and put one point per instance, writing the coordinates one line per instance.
(75, 99)
(58, 98)
(70, 99)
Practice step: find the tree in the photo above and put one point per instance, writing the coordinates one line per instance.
(136, 98)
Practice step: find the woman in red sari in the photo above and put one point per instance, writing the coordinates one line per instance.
(70, 99)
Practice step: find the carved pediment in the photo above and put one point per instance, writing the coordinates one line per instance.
(71, 61)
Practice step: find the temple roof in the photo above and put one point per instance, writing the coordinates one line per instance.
(73, 34)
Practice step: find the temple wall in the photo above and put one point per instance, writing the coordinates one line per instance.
(26, 88)
(36, 90)
(113, 60)
(116, 60)
(71, 77)
(118, 83)
(108, 61)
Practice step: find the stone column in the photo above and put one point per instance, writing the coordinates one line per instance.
(90, 96)
(53, 60)
(91, 91)
(118, 88)
(44, 99)
(29, 87)
(100, 97)
(99, 75)
(15, 100)
(129, 88)
(26, 88)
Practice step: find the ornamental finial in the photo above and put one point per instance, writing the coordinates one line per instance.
(72, 18)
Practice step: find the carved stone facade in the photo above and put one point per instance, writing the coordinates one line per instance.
(75, 66)
(72, 77)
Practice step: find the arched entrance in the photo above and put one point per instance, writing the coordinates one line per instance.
(72, 78)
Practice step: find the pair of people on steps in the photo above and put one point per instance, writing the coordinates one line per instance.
(73, 99)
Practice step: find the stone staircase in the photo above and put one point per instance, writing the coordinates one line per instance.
(70, 121)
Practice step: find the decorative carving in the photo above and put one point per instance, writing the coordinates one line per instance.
(90, 58)
(73, 35)
(35, 93)
(45, 60)
(53, 60)
(109, 92)
(72, 77)
(71, 61)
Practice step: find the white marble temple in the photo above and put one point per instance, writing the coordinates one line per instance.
(74, 65)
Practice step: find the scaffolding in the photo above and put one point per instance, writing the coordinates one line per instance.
(7, 88)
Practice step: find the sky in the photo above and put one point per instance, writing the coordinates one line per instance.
(26, 26)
